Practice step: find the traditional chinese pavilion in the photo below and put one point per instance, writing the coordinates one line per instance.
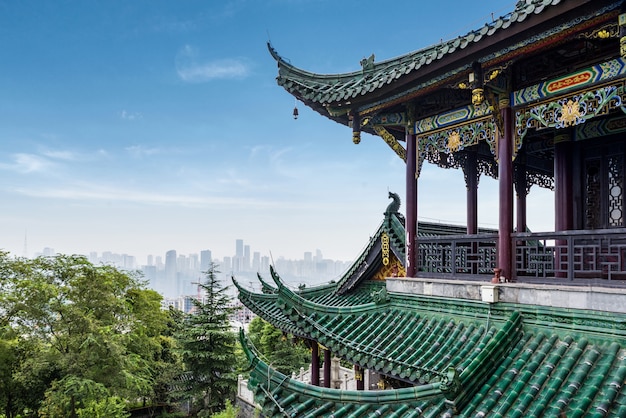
(473, 322)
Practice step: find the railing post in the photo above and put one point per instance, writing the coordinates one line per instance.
(570, 257)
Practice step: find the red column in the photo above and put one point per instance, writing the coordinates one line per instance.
(315, 364)
(563, 215)
(505, 188)
(471, 174)
(327, 363)
(520, 194)
(411, 204)
(563, 219)
(470, 170)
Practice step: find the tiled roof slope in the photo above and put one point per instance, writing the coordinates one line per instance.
(465, 358)
(265, 304)
(392, 339)
(328, 89)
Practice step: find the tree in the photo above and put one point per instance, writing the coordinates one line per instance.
(284, 352)
(64, 320)
(208, 347)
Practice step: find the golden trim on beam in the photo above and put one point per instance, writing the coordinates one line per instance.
(391, 141)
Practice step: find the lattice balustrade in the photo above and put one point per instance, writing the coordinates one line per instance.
(457, 255)
(571, 255)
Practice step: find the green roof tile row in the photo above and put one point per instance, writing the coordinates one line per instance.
(539, 375)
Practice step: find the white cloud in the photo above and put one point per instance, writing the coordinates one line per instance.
(60, 155)
(87, 193)
(192, 68)
(27, 163)
(138, 151)
(130, 115)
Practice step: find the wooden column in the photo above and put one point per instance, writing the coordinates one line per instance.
(327, 364)
(563, 219)
(505, 189)
(521, 186)
(411, 203)
(471, 183)
(315, 364)
(563, 214)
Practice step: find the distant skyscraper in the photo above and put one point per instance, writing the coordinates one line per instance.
(256, 261)
(150, 261)
(227, 265)
(205, 260)
(194, 263)
(170, 266)
(246, 258)
(239, 248)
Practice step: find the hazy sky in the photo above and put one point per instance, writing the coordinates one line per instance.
(142, 126)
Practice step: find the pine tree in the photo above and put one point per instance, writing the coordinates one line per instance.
(208, 347)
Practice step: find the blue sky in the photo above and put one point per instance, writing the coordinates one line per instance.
(142, 126)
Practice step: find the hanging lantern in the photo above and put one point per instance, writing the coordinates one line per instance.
(295, 112)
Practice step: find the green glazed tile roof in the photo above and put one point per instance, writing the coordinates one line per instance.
(463, 358)
(481, 366)
(329, 89)
(393, 339)
(265, 304)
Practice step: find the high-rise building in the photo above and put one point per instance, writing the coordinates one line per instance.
(256, 261)
(246, 258)
(205, 260)
(227, 265)
(239, 248)
(170, 266)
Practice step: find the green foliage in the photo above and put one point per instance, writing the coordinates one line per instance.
(282, 351)
(65, 323)
(208, 347)
(229, 411)
(75, 397)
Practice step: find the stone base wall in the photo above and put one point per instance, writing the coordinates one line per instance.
(604, 299)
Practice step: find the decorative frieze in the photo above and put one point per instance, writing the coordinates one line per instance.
(580, 79)
(568, 111)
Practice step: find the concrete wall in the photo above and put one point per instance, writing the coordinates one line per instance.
(559, 296)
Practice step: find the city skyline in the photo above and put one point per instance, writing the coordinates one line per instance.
(174, 274)
(157, 259)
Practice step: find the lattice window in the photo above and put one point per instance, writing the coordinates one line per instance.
(616, 191)
(593, 194)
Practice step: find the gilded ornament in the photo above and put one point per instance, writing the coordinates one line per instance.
(493, 74)
(384, 241)
(356, 137)
(454, 141)
(478, 96)
(604, 34)
(570, 113)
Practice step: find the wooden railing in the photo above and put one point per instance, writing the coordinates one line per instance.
(457, 255)
(551, 256)
(571, 255)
